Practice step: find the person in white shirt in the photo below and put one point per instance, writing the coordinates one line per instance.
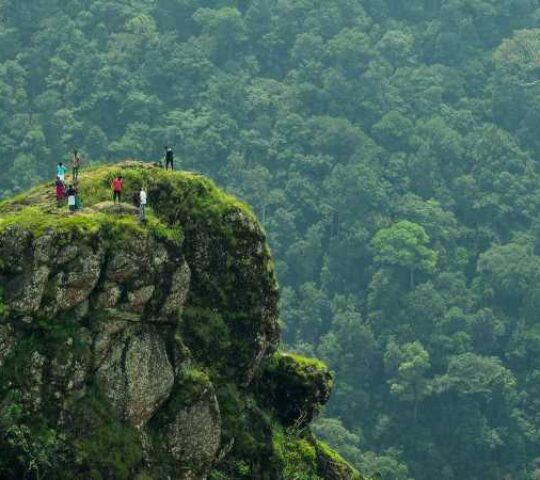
(142, 204)
(72, 198)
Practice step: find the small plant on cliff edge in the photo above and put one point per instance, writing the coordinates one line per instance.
(297, 456)
(27, 448)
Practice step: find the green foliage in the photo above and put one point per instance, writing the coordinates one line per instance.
(332, 463)
(404, 245)
(107, 448)
(35, 220)
(248, 430)
(207, 332)
(296, 388)
(3, 308)
(406, 366)
(35, 448)
(390, 148)
(191, 384)
(104, 448)
(297, 455)
(471, 374)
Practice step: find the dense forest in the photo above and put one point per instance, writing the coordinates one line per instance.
(391, 149)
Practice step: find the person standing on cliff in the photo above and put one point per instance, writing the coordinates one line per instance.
(60, 190)
(142, 205)
(169, 158)
(76, 163)
(72, 198)
(116, 186)
(61, 170)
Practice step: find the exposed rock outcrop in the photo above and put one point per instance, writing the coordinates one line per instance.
(145, 351)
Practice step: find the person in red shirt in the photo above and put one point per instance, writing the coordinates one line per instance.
(116, 186)
(60, 190)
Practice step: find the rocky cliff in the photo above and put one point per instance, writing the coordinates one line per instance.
(150, 351)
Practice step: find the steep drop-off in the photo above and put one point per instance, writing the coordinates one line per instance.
(149, 351)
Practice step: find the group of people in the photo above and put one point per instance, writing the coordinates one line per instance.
(71, 192)
(140, 199)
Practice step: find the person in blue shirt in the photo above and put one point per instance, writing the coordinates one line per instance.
(61, 170)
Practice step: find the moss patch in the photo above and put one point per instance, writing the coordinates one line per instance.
(297, 455)
(38, 221)
(332, 466)
(190, 385)
(101, 446)
(172, 196)
(247, 430)
(296, 388)
(106, 447)
(86, 223)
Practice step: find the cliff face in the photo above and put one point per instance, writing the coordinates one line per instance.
(131, 351)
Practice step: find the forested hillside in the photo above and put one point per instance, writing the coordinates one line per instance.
(391, 149)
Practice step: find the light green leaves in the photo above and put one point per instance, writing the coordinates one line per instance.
(405, 245)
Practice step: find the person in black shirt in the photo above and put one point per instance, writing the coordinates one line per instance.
(169, 158)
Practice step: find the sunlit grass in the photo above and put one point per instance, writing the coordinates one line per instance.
(179, 194)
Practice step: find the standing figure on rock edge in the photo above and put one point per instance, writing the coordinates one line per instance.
(116, 186)
(76, 163)
(72, 198)
(142, 205)
(60, 190)
(169, 158)
(61, 170)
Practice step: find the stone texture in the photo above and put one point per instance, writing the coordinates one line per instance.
(109, 296)
(149, 377)
(138, 299)
(25, 291)
(111, 326)
(194, 437)
(135, 372)
(178, 292)
(73, 286)
(7, 341)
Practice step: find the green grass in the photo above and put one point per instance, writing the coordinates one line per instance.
(34, 219)
(177, 195)
(303, 362)
(340, 465)
(84, 224)
(297, 456)
(199, 191)
(302, 366)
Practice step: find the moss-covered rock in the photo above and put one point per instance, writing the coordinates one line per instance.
(296, 387)
(331, 466)
(133, 350)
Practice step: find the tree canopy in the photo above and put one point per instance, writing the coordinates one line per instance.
(391, 149)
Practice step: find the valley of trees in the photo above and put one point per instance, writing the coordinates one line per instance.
(392, 151)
